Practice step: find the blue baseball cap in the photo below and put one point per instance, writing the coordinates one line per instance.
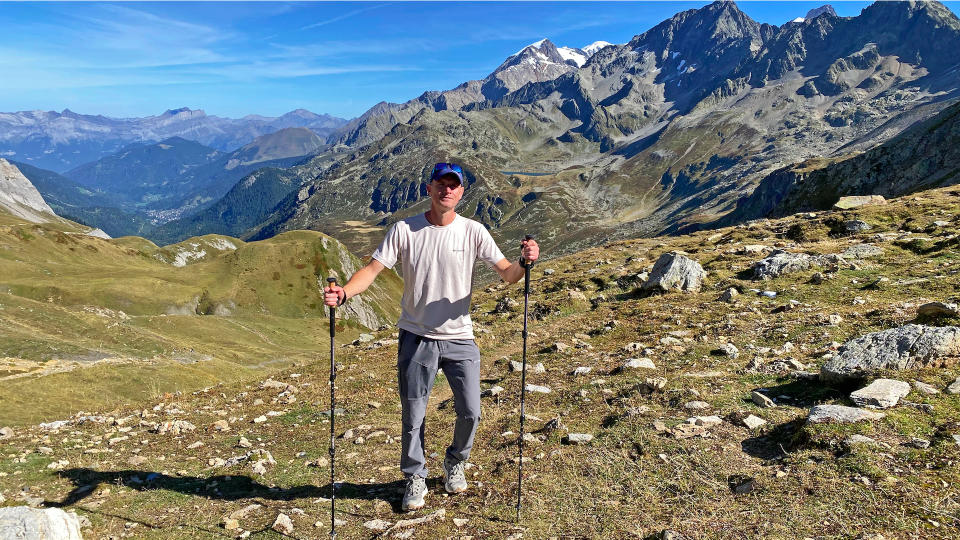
(443, 169)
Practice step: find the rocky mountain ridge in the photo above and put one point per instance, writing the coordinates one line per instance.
(20, 198)
(666, 131)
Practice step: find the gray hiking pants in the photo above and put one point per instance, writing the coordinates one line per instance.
(418, 359)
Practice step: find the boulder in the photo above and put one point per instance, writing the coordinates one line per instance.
(39, 524)
(937, 309)
(907, 347)
(840, 414)
(578, 438)
(856, 201)
(675, 271)
(881, 394)
(855, 226)
(781, 262)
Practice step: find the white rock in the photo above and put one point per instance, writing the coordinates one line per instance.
(761, 399)
(283, 524)
(260, 419)
(753, 422)
(696, 405)
(23, 522)
(925, 388)
(706, 421)
(377, 525)
(881, 394)
(639, 363)
(537, 389)
(582, 370)
(578, 438)
(954, 387)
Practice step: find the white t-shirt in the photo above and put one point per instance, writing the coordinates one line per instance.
(437, 272)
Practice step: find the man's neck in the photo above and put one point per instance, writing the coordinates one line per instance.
(439, 217)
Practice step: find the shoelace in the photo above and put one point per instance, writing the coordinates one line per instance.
(456, 472)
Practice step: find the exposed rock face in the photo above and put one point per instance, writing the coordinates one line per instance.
(39, 524)
(881, 394)
(675, 271)
(856, 201)
(906, 347)
(20, 198)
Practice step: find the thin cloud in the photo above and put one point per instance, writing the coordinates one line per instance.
(342, 17)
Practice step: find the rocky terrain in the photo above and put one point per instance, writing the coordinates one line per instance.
(790, 378)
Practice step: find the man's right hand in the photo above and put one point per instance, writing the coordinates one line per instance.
(332, 295)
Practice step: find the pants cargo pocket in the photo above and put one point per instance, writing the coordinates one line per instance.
(416, 366)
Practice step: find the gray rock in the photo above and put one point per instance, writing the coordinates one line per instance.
(364, 338)
(761, 400)
(6, 433)
(881, 394)
(954, 387)
(917, 442)
(862, 251)
(907, 347)
(582, 370)
(856, 225)
(840, 414)
(856, 201)
(817, 279)
(491, 391)
(578, 438)
(283, 524)
(782, 262)
(675, 271)
(36, 524)
(752, 422)
(696, 405)
(537, 389)
(937, 309)
(729, 349)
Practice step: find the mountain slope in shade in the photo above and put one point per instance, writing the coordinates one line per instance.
(923, 157)
(20, 198)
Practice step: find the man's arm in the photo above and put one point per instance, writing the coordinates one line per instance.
(513, 272)
(355, 285)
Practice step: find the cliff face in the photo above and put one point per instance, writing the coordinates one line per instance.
(20, 198)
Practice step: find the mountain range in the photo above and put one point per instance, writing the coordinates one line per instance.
(668, 132)
(62, 141)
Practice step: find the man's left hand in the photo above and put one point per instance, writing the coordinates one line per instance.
(529, 250)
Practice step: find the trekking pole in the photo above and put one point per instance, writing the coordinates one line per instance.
(523, 374)
(333, 413)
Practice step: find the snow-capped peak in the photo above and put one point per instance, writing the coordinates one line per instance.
(594, 47)
(577, 56)
(534, 45)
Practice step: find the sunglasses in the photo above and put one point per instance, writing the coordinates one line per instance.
(446, 167)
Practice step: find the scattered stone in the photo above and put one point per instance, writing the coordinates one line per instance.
(954, 387)
(221, 425)
(578, 438)
(675, 271)
(244, 443)
(6, 433)
(686, 430)
(705, 421)
(752, 422)
(365, 338)
(319, 462)
(729, 295)
(548, 271)
(460, 522)
(925, 388)
(492, 391)
(881, 394)
(917, 442)
(651, 385)
(539, 368)
(260, 419)
(136, 461)
(404, 523)
(195, 445)
(283, 524)
(537, 389)
(817, 278)
(858, 439)
(174, 427)
(840, 414)
(728, 349)
(35, 523)
(856, 201)
(559, 347)
(582, 370)
(377, 525)
(638, 363)
(374, 404)
(245, 511)
(761, 399)
(741, 485)
(906, 347)
(937, 309)
(696, 405)
(230, 524)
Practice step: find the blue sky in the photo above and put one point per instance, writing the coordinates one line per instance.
(233, 59)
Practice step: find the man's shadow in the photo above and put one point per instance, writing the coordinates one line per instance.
(222, 487)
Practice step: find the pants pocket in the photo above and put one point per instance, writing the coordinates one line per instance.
(416, 367)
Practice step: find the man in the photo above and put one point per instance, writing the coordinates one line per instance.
(438, 250)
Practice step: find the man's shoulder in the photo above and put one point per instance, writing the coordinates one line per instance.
(471, 224)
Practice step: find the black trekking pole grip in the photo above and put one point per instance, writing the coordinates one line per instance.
(333, 412)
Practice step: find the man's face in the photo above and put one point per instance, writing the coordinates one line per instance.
(445, 192)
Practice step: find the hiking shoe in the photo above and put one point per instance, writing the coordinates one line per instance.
(413, 496)
(456, 480)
